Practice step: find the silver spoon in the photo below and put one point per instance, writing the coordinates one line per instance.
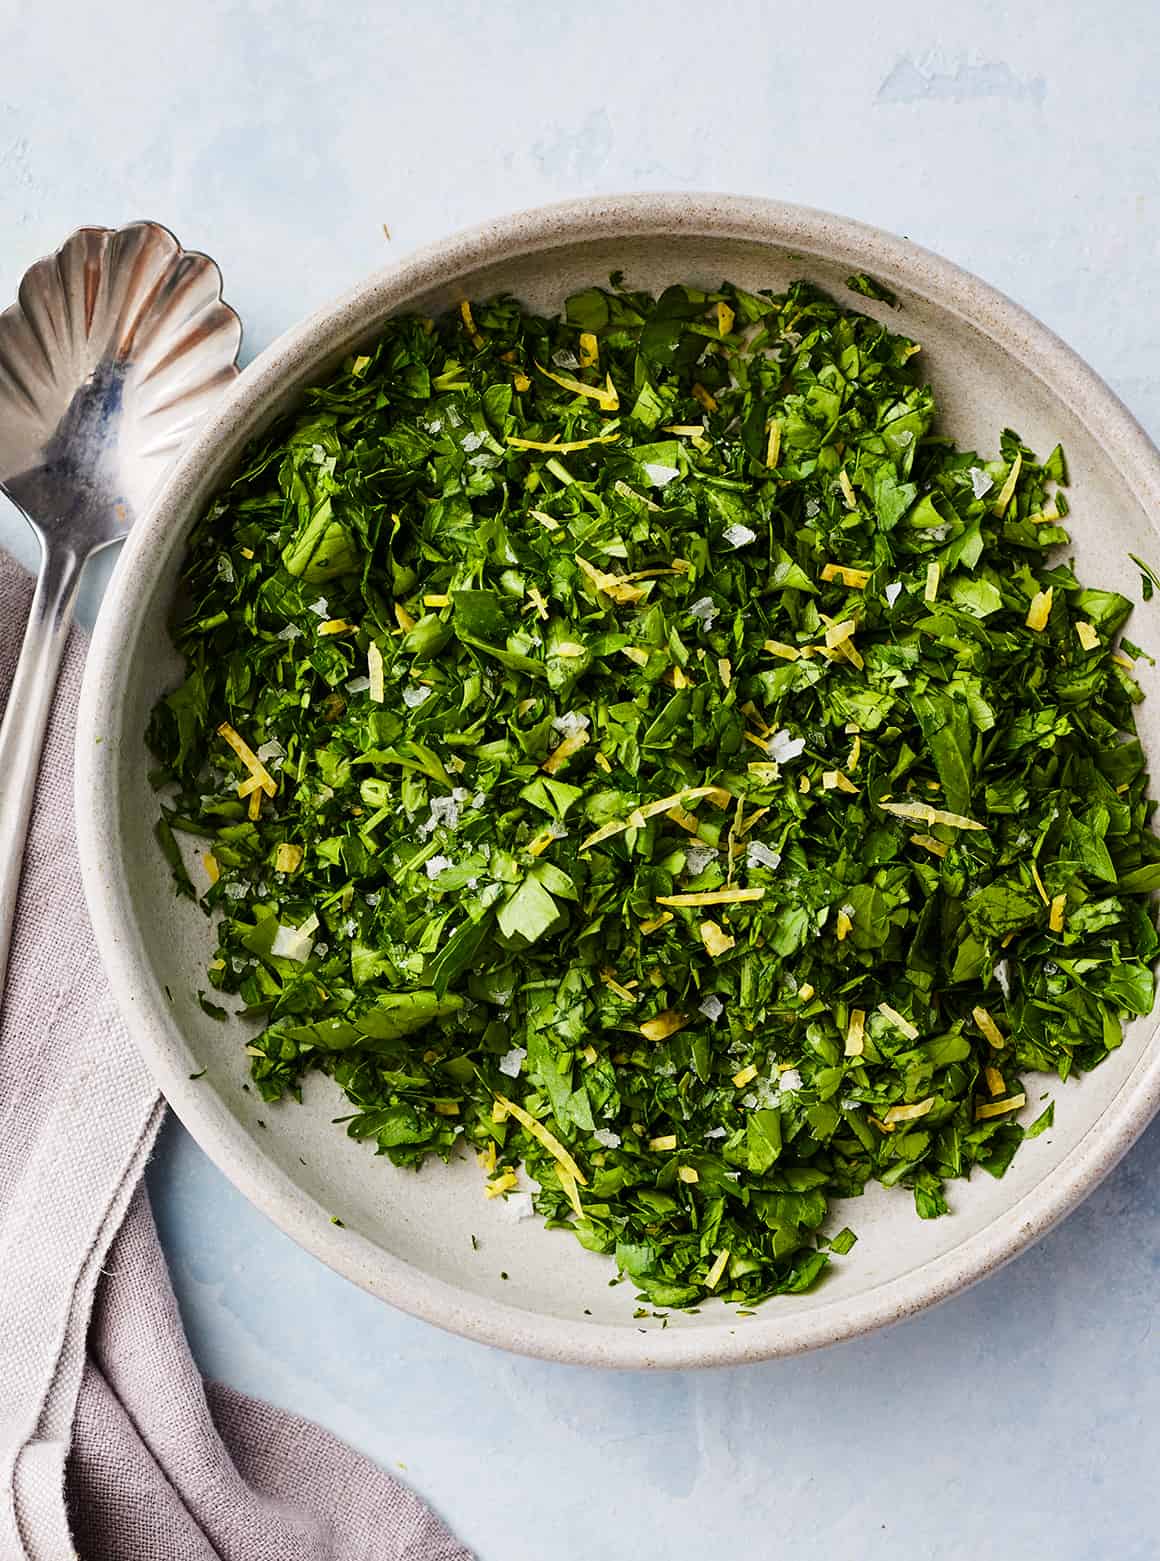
(118, 345)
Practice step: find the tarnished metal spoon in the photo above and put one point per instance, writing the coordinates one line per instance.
(117, 346)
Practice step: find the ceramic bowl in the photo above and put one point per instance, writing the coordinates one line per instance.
(408, 1237)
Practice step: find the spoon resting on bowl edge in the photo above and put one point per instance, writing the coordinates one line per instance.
(117, 346)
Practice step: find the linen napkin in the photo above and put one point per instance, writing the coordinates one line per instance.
(111, 1445)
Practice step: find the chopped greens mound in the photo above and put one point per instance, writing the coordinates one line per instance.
(637, 746)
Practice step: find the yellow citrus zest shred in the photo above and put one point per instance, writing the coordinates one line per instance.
(856, 1033)
(838, 633)
(604, 764)
(933, 574)
(989, 1028)
(703, 397)
(834, 780)
(377, 689)
(995, 1081)
(1043, 894)
(549, 1140)
(854, 579)
(806, 992)
(507, 1181)
(469, 324)
(249, 758)
(655, 923)
(910, 1113)
(999, 1108)
(1055, 917)
(686, 1173)
(589, 350)
(923, 813)
(1007, 491)
(1087, 635)
(403, 618)
(287, 858)
(786, 652)
(720, 1263)
(614, 985)
(615, 586)
(900, 1022)
(844, 926)
(604, 395)
(564, 750)
(212, 871)
(773, 444)
(711, 897)
(662, 1025)
(745, 1076)
(553, 447)
(639, 816)
(1040, 610)
(663, 1141)
(928, 843)
(847, 488)
(725, 317)
(716, 940)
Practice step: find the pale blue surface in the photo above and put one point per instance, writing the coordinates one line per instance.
(1019, 140)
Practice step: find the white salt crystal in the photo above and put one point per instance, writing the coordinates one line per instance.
(292, 943)
(697, 858)
(783, 747)
(659, 475)
(789, 1081)
(893, 592)
(980, 482)
(739, 536)
(712, 1007)
(414, 694)
(436, 865)
(758, 855)
(511, 1062)
(606, 1138)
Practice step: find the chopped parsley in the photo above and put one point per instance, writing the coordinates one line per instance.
(640, 747)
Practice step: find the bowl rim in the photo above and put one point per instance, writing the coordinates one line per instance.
(339, 326)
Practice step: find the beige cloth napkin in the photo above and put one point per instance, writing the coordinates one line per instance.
(111, 1445)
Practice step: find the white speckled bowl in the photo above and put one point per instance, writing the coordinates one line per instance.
(407, 1237)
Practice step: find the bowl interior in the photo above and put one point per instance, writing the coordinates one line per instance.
(410, 1236)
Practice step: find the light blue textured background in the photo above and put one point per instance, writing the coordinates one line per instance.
(1021, 141)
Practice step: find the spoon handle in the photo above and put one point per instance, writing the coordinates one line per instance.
(26, 719)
